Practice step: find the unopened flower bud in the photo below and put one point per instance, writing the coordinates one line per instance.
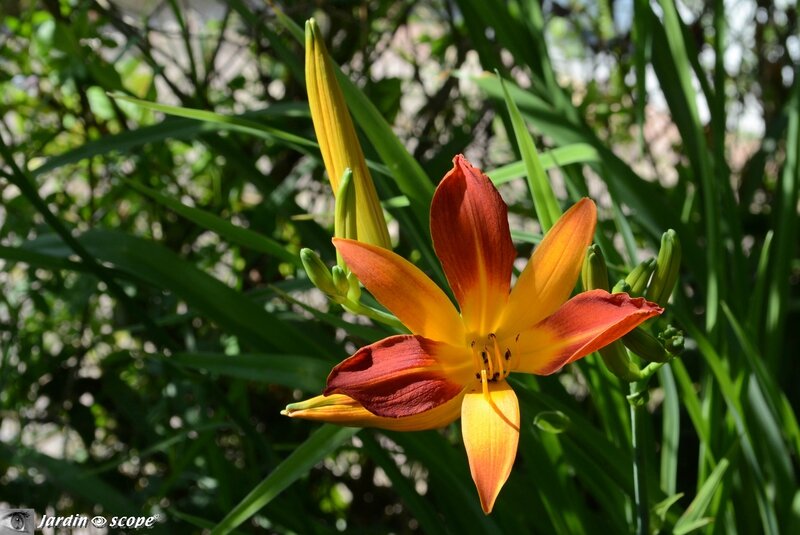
(617, 361)
(340, 281)
(667, 269)
(621, 287)
(646, 346)
(345, 214)
(317, 272)
(337, 138)
(594, 274)
(354, 293)
(672, 339)
(638, 278)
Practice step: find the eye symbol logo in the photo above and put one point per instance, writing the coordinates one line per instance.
(16, 521)
(99, 521)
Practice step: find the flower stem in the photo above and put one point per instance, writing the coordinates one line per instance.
(377, 315)
(637, 442)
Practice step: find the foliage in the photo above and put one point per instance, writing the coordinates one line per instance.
(155, 316)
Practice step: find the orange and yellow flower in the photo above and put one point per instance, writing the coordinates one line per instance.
(457, 363)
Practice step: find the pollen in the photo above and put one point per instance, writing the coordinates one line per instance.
(490, 360)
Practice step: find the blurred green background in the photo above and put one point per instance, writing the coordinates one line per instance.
(154, 318)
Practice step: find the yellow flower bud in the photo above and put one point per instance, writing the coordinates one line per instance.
(337, 138)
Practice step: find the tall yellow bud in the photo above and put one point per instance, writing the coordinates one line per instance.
(337, 138)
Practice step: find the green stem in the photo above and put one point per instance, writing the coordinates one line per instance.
(377, 315)
(637, 443)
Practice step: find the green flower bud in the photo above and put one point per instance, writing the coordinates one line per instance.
(621, 287)
(638, 278)
(317, 272)
(667, 269)
(354, 292)
(344, 222)
(594, 274)
(345, 215)
(617, 361)
(340, 281)
(672, 339)
(646, 346)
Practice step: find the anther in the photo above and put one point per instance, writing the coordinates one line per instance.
(508, 354)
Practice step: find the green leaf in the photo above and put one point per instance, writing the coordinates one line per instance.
(662, 507)
(671, 431)
(693, 517)
(552, 159)
(293, 371)
(239, 124)
(544, 200)
(70, 477)
(157, 265)
(238, 235)
(171, 128)
(552, 421)
(324, 441)
(32, 258)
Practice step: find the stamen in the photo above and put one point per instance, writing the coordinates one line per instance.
(500, 364)
(475, 360)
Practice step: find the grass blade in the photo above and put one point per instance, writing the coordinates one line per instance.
(293, 371)
(239, 235)
(544, 200)
(322, 442)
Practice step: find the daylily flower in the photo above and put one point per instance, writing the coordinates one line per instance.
(461, 360)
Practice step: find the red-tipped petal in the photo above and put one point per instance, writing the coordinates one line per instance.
(585, 323)
(491, 434)
(402, 375)
(553, 269)
(469, 226)
(405, 290)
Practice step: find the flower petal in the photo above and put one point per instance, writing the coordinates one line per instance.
(344, 410)
(490, 438)
(585, 323)
(405, 290)
(550, 276)
(469, 226)
(402, 375)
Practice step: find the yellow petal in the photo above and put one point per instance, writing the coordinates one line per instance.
(550, 276)
(337, 138)
(343, 410)
(491, 434)
(405, 290)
